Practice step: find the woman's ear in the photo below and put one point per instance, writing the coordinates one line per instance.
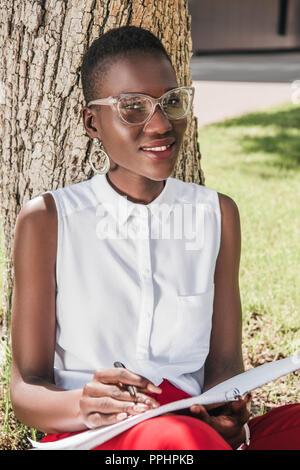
(88, 118)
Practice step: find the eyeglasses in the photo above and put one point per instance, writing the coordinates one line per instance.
(137, 108)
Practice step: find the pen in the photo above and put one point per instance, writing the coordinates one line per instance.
(130, 388)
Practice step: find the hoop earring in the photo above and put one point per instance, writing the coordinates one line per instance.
(99, 154)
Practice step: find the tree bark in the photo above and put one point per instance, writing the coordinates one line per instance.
(43, 142)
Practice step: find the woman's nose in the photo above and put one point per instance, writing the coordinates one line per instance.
(158, 123)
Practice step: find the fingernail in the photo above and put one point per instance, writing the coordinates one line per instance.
(155, 405)
(140, 407)
(151, 403)
(121, 416)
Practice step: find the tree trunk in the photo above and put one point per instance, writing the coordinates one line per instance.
(43, 142)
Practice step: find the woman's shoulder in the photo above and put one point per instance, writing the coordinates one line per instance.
(39, 210)
(228, 205)
(196, 193)
(59, 202)
(221, 203)
(39, 213)
(36, 231)
(230, 217)
(74, 197)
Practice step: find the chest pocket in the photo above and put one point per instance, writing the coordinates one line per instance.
(192, 328)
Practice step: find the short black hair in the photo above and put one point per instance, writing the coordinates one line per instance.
(110, 46)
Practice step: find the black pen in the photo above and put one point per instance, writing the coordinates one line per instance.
(130, 388)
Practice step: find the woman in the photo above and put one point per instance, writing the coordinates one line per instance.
(132, 266)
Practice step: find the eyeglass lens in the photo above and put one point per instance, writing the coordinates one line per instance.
(136, 109)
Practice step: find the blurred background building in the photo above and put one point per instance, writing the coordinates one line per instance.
(246, 55)
(245, 25)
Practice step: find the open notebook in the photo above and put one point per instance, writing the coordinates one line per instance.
(228, 390)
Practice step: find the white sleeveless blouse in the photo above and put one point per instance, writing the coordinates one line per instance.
(135, 283)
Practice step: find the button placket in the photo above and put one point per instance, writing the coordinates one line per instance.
(147, 295)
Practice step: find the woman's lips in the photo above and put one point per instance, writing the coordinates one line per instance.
(159, 154)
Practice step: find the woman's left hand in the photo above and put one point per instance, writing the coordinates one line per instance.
(229, 424)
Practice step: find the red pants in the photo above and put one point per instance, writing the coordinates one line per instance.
(279, 429)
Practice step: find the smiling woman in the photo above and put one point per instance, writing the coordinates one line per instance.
(167, 306)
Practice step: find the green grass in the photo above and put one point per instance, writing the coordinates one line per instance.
(254, 159)
(13, 434)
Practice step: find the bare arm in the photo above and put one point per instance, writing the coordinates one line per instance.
(225, 357)
(36, 400)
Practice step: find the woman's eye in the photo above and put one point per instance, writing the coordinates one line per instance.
(133, 106)
(173, 101)
(136, 105)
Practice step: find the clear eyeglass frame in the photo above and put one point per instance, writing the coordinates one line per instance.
(114, 102)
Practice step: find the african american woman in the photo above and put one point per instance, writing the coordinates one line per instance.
(133, 265)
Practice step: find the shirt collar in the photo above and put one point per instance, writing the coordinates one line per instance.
(121, 208)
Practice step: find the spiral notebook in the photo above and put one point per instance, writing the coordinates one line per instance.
(228, 390)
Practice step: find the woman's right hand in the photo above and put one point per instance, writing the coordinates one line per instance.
(105, 400)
